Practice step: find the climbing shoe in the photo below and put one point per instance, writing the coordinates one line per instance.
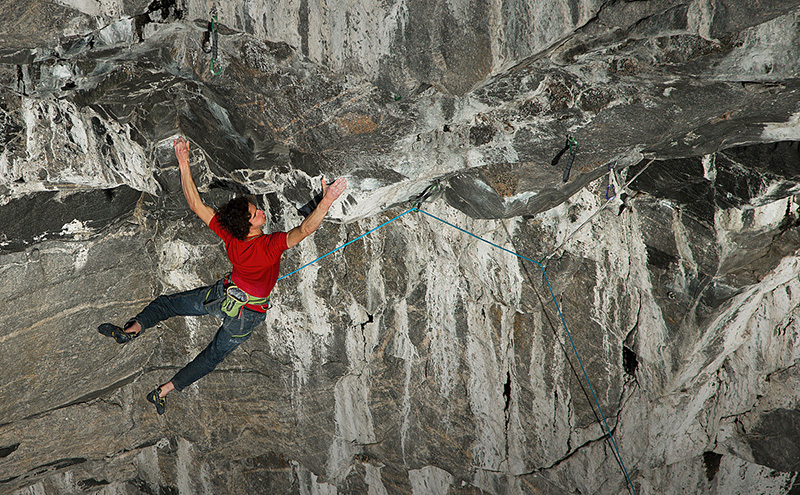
(117, 333)
(157, 400)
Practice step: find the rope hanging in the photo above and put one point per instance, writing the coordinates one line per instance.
(416, 207)
(346, 244)
(572, 342)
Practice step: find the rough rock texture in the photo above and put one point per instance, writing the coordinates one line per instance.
(417, 360)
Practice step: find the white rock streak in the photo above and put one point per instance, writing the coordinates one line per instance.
(429, 480)
(64, 150)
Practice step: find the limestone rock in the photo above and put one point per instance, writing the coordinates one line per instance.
(419, 359)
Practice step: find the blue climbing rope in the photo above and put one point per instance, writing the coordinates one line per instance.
(347, 243)
(564, 324)
(549, 288)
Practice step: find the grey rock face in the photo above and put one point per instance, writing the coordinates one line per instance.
(418, 360)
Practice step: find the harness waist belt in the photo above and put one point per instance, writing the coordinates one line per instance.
(236, 299)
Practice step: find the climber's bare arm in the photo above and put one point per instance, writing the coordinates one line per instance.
(313, 221)
(206, 213)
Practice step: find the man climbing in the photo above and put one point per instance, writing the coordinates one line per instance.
(241, 298)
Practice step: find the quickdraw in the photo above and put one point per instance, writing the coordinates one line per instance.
(571, 145)
(432, 191)
(611, 189)
(211, 40)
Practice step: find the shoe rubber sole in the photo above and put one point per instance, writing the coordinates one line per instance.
(115, 332)
(157, 400)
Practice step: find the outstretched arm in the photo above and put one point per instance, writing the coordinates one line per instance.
(206, 213)
(313, 221)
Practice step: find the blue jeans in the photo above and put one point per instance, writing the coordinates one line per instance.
(196, 302)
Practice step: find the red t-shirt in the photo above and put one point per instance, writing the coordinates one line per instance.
(256, 262)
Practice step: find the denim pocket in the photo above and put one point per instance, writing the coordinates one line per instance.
(242, 327)
(214, 298)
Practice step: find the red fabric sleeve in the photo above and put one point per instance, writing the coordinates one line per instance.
(218, 229)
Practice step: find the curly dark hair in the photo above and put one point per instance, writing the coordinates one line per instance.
(234, 216)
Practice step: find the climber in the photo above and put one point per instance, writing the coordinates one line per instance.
(241, 298)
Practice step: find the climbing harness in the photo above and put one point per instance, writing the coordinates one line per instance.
(572, 145)
(211, 39)
(436, 188)
(235, 299)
